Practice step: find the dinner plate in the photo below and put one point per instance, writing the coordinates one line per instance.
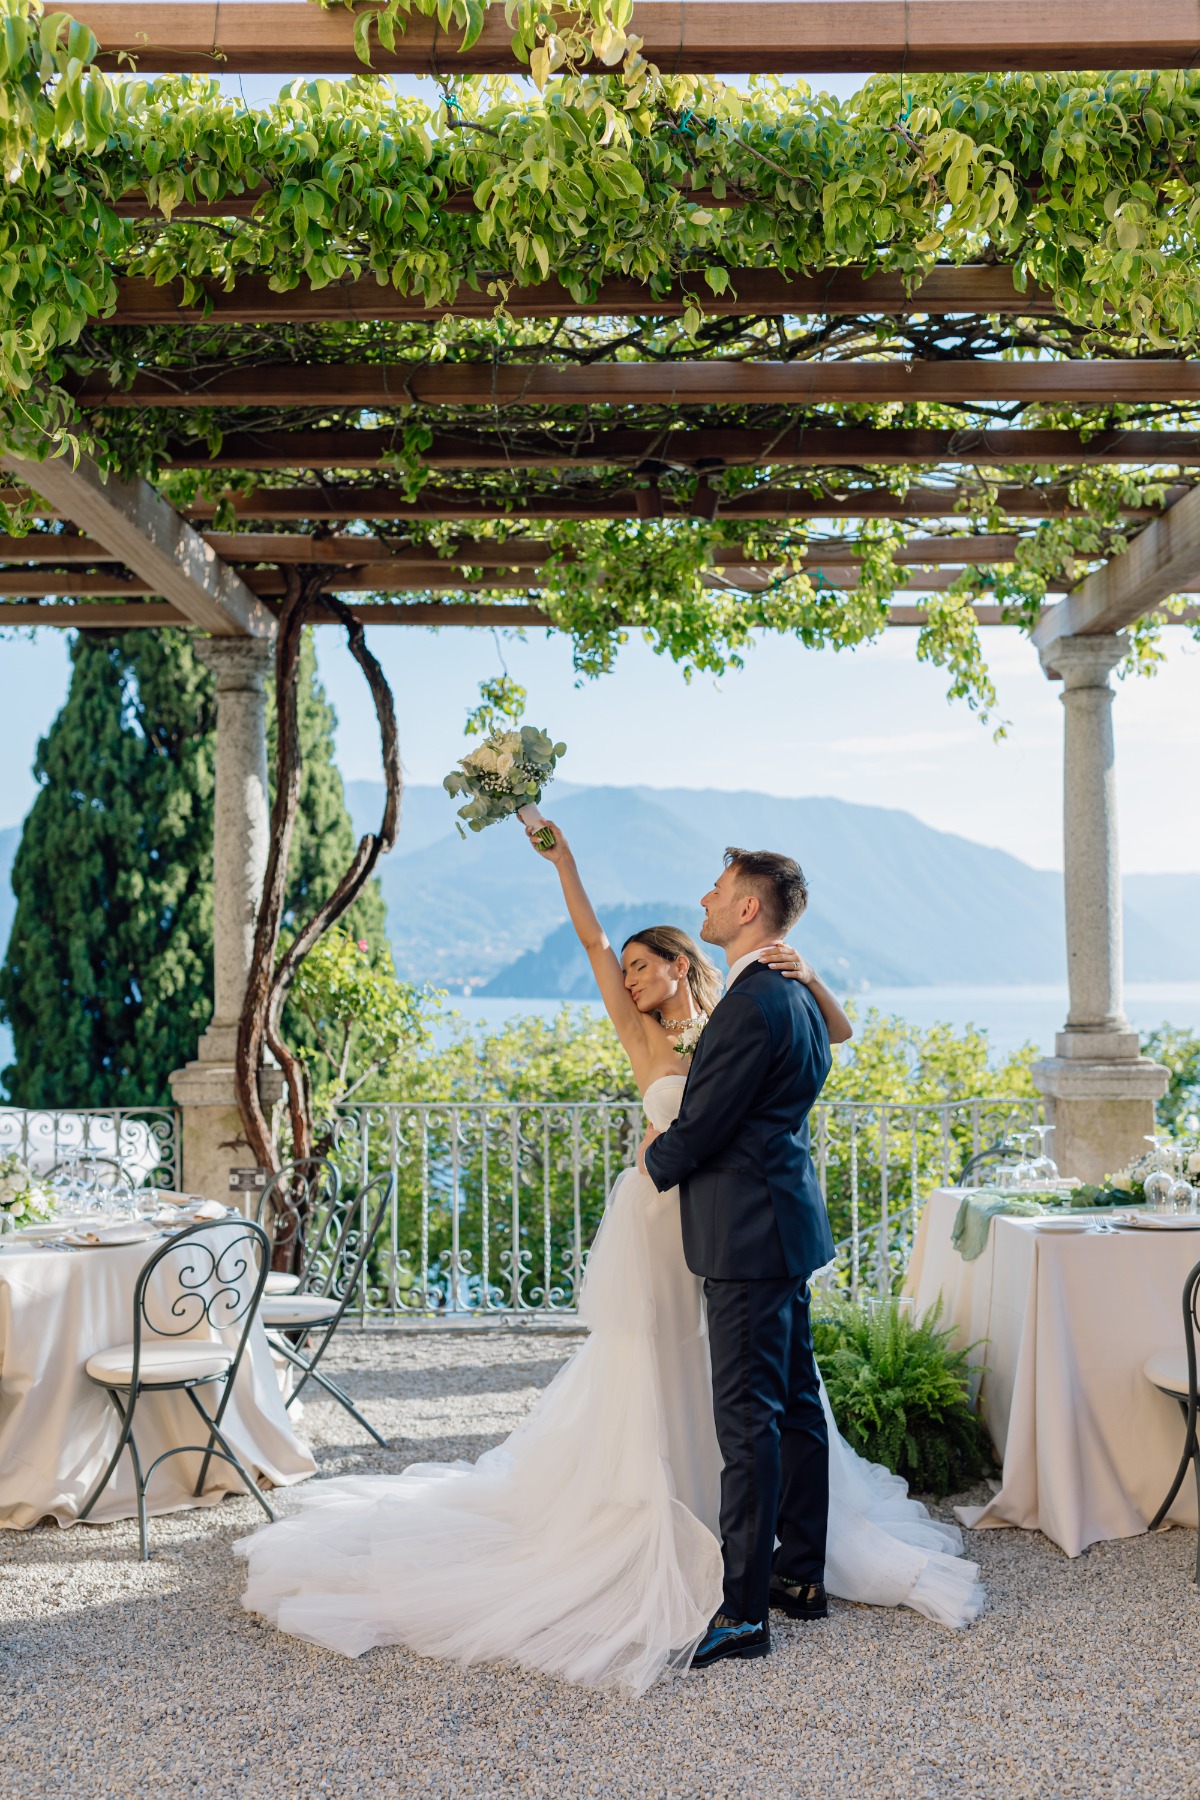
(1066, 1226)
(1155, 1222)
(111, 1239)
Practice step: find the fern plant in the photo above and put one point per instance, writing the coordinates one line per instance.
(899, 1392)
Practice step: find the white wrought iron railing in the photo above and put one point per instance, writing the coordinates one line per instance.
(143, 1139)
(496, 1203)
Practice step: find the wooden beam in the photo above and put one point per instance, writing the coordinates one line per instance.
(72, 583)
(243, 206)
(1162, 560)
(139, 529)
(774, 37)
(349, 552)
(353, 551)
(330, 504)
(726, 382)
(983, 288)
(133, 615)
(794, 446)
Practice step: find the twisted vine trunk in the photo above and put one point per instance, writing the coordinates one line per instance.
(271, 975)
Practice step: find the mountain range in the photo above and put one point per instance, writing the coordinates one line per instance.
(893, 902)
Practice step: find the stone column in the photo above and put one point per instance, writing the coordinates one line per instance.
(204, 1090)
(1100, 1092)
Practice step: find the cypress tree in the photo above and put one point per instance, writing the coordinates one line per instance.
(107, 982)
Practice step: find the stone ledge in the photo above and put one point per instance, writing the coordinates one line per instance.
(212, 1084)
(1068, 1078)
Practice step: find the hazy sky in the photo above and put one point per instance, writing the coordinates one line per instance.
(870, 725)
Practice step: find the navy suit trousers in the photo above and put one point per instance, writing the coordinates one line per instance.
(771, 1431)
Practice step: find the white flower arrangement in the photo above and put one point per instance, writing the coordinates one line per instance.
(506, 776)
(23, 1198)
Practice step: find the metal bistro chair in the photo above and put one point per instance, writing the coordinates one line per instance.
(1173, 1372)
(295, 1208)
(335, 1266)
(219, 1286)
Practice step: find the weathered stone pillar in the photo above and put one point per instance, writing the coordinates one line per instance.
(1100, 1092)
(204, 1090)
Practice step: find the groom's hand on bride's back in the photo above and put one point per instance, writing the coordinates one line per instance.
(652, 1132)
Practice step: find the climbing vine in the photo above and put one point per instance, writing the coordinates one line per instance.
(1088, 187)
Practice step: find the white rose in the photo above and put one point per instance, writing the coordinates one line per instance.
(511, 741)
(1194, 1163)
(485, 759)
(504, 762)
(1122, 1184)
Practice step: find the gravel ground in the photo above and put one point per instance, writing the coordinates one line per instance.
(121, 1678)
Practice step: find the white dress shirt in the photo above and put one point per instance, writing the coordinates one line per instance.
(741, 965)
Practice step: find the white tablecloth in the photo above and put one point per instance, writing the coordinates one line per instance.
(1089, 1445)
(58, 1428)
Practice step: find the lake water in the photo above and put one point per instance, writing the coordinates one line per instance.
(1011, 1016)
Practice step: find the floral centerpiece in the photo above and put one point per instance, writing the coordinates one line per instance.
(1128, 1186)
(24, 1199)
(506, 775)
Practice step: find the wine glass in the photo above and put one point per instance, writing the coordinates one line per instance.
(1045, 1167)
(1025, 1174)
(1181, 1195)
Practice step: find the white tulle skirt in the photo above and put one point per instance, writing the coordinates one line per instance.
(585, 1545)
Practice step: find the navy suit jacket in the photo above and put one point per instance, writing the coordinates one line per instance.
(739, 1153)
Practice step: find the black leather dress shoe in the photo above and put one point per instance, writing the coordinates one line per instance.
(799, 1599)
(731, 1637)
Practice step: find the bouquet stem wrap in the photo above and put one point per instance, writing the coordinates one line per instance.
(543, 837)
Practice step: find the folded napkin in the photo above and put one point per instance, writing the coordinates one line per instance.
(195, 1209)
(973, 1221)
(208, 1209)
(131, 1231)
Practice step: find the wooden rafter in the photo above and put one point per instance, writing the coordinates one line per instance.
(350, 551)
(976, 288)
(704, 37)
(1162, 560)
(333, 504)
(136, 614)
(137, 526)
(747, 381)
(796, 446)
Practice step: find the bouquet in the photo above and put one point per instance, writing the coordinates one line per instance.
(23, 1198)
(506, 775)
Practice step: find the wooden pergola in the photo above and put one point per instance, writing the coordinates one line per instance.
(321, 437)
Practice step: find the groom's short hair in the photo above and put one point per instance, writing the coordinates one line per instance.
(776, 881)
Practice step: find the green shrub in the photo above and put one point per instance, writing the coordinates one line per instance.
(899, 1393)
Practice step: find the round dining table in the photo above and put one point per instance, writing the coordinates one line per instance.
(60, 1305)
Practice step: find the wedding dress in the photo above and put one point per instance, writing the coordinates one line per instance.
(584, 1545)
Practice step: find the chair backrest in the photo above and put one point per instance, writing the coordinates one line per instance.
(340, 1257)
(217, 1270)
(295, 1208)
(1191, 1326)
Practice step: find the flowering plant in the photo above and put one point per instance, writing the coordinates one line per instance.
(22, 1196)
(506, 775)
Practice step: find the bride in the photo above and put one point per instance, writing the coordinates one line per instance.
(584, 1545)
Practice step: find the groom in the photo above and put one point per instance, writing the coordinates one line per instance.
(755, 1227)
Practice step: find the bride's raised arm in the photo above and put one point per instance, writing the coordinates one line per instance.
(606, 964)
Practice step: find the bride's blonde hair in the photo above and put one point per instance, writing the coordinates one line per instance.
(670, 943)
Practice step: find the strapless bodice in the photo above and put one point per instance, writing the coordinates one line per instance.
(662, 1100)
